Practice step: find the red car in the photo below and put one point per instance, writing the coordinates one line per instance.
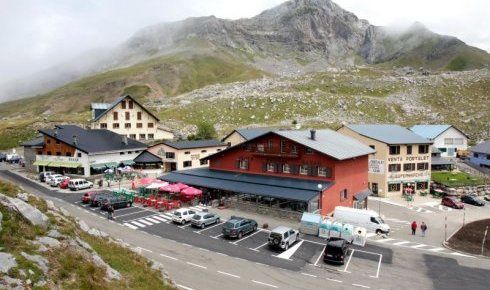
(64, 183)
(450, 201)
(87, 197)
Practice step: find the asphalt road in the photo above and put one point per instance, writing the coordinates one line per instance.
(197, 259)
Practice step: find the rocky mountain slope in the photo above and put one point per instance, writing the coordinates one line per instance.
(43, 247)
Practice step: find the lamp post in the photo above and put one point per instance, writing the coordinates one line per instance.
(320, 203)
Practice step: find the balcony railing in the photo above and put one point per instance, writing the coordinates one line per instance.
(274, 153)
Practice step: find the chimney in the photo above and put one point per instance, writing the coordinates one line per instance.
(125, 139)
(313, 134)
(75, 140)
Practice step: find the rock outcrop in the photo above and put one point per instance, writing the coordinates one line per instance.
(30, 213)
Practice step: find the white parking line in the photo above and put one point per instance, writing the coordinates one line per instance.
(348, 261)
(228, 274)
(319, 256)
(196, 265)
(210, 227)
(334, 280)
(153, 220)
(159, 218)
(362, 286)
(379, 267)
(183, 287)
(216, 237)
(265, 284)
(138, 218)
(418, 246)
(237, 241)
(145, 222)
(130, 226)
(436, 250)
(401, 243)
(290, 252)
(138, 224)
(185, 226)
(384, 240)
(169, 257)
(257, 249)
(310, 275)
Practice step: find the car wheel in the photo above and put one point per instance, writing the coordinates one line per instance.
(255, 228)
(183, 222)
(240, 235)
(202, 226)
(217, 221)
(286, 246)
(378, 232)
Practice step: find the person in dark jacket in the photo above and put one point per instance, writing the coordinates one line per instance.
(414, 227)
(423, 228)
(110, 212)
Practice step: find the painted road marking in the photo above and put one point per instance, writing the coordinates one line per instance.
(436, 249)
(418, 246)
(185, 226)
(210, 227)
(130, 226)
(384, 240)
(265, 284)
(216, 237)
(362, 286)
(159, 218)
(152, 220)
(228, 274)
(237, 241)
(138, 224)
(401, 243)
(169, 257)
(196, 265)
(183, 287)
(257, 249)
(348, 261)
(287, 254)
(163, 216)
(145, 222)
(319, 256)
(310, 275)
(461, 255)
(334, 280)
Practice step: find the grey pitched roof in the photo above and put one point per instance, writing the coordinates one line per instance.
(389, 134)
(147, 157)
(432, 131)
(250, 133)
(271, 186)
(92, 141)
(36, 142)
(189, 144)
(116, 102)
(483, 147)
(100, 106)
(329, 142)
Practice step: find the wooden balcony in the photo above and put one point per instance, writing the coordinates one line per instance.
(270, 153)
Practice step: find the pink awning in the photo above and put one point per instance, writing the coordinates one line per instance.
(147, 180)
(172, 188)
(191, 191)
(181, 185)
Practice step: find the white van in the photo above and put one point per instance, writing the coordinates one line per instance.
(77, 184)
(368, 219)
(183, 215)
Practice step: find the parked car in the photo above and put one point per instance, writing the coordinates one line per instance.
(64, 184)
(203, 219)
(451, 201)
(183, 215)
(473, 200)
(283, 237)
(52, 177)
(98, 198)
(236, 227)
(54, 182)
(77, 184)
(116, 202)
(44, 175)
(335, 250)
(3, 157)
(88, 196)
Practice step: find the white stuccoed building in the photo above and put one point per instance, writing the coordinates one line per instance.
(446, 138)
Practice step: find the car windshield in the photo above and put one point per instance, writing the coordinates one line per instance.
(380, 220)
(196, 217)
(177, 213)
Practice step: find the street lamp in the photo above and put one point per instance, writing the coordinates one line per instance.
(320, 204)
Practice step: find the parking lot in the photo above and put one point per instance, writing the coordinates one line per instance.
(305, 253)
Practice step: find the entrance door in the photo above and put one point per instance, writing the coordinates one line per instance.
(374, 188)
(173, 166)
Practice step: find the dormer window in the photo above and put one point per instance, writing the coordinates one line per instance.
(130, 102)
(123, 104)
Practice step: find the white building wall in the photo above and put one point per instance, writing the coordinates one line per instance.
(447, 141)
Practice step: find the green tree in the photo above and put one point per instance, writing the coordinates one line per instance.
(205, 130)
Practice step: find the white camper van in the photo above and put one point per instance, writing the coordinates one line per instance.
(368, 219)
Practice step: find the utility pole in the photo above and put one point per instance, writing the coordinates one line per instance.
(445, 228)
(483, 242)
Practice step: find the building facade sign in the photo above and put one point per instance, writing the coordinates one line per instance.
(57, 158)
(408, 158)
(409, 175)
(376, 166)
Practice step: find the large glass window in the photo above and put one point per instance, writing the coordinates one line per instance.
(409, 167)
(423, 166)
(303, 170)
(423, 149)
(394, 187)
(394, 167)
(187, 163)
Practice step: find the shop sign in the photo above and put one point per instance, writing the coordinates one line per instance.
(409, 175)
(409, 158)
(376, 166)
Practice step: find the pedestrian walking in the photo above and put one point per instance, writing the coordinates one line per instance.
(423, 228)
(110, 212)
(414, 227)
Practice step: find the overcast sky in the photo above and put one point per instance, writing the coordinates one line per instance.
(37, 34)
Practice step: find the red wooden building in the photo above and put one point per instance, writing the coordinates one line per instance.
(305, 169)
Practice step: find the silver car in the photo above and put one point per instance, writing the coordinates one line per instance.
(203, 219)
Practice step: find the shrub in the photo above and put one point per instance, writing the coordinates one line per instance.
(265, 226)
